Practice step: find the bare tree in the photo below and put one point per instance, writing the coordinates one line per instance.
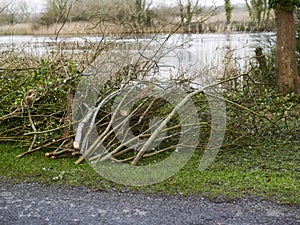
(192, 11)
(228, 10)
(4, 5)
(15, 11)
(9, 11)
(189, 10)
(24, 12)
(259, 11)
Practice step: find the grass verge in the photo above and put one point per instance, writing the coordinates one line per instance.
(269, 171)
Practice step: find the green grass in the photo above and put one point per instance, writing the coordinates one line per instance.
(270, 171)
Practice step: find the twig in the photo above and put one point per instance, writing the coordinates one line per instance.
(44, 146)
(57, 151)
(34, 129)
(146, 155)
(11, 115)
(161, 126)
(46, 131)
(242, 107)
(65, 20)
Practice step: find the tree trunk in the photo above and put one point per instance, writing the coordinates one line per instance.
(286, 60)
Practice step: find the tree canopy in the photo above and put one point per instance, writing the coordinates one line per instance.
(289, 5)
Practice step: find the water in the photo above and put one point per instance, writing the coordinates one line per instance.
(211, 57)
(206, 56)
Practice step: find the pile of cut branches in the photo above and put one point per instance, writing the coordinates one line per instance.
(131, 116)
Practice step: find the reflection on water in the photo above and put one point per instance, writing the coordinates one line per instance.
(207, 56)
(211, 57)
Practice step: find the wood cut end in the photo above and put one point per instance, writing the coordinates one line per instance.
(76, 145)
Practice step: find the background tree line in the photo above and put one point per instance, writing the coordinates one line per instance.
(138, 13)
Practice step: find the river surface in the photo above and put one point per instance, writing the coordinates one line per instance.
(209, 53)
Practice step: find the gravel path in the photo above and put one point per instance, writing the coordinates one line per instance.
(34, 204)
